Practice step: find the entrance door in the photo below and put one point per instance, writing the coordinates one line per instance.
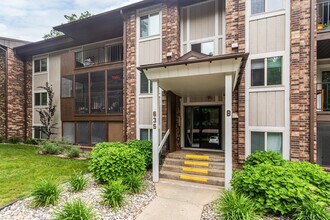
(203, 127)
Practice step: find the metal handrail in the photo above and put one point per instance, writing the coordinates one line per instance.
(162, 143)
(323, 98)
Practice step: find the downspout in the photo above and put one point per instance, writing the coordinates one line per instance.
(312, 78)
(124, 75)
(6, 89)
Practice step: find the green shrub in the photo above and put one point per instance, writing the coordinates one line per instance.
(236, 206)
(74, 151)
(110, 163)
(31, 142)
(314, 175)
(74, 210)
(78, 181)
(144, 148)
(311, 210)
(51, 148)
(45, 193)
(2, 139)
(14, 140)
(273, 188)
(113, 194)
(260, 157)
(106, 145)
(134, 183)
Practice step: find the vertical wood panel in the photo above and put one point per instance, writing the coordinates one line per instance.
(262, 115)
(279, 104)
(280, 33)
(271, 35)
(254, 37)
(220, 13)
(145, 111)
(115, 132)
(271, 109)
(149, 52)
(262, 35)
(202, 21)
(253, 109)
(184, 23)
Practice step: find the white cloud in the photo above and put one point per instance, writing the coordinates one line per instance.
(30, 20)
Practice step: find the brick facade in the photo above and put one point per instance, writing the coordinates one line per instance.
(300, 82)
(3, 66)
(235, 33)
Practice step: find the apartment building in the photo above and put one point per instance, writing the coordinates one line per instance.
(231, 76)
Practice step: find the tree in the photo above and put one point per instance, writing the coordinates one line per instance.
(70, 18)
(47, 114)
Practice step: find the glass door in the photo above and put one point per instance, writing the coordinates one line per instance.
(203, 127)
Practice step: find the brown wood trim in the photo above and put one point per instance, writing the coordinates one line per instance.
(99, 67)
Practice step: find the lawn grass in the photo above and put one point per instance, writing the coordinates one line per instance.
(21, 168)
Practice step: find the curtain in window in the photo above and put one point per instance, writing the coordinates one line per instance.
(257, 141)
(274, 142)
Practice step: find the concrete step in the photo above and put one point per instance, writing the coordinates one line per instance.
(217, 181)
(197, 155)
(194, 163)
(192, 184)
(203, 171)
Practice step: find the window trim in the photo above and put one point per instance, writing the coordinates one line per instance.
(266, 139)
(41, 72)
(149, 133)
(266, 72)
(34, 101)
(149, 92)
(149, 13)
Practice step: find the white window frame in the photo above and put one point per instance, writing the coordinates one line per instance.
(34, 132)
(34, 101)
(266, 139)
(266, 7)
(149, 86)
(149, 133)
(265, 58)
(214, 38)
(41, 72)
(153, 12)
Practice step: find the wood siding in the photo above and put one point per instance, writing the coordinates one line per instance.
(267, 35)
(267, 109)
(39, 80)
(145, 110)
(149, 51)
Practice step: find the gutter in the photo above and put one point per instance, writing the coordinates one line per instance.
(124, 74)
(6, 90)
(312, 78)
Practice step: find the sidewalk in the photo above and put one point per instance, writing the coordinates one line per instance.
(179, 201)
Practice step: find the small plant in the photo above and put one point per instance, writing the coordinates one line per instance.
(31, 142)
(2, 139)
(311, 210)
(78, 181)
(261, 157)
(45, 193)
(113, 194)
(14, 140)
(74, 210)
(51, 148)
(134, 183)
(235, 206)
(74, 151)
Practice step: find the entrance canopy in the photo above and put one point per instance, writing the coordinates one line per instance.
(196, 74)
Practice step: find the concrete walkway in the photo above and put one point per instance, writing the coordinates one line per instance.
(176, 200)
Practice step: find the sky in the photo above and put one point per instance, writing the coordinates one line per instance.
(30, 19)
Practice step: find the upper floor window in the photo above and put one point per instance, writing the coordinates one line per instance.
(266, 72)
(149, 25)
(145, 84)
(40, 99)
(260, 6)
(205, 48)
(40, 65)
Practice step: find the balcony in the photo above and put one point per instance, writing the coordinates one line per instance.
(100, 55)
(323, 97)
(323, 14)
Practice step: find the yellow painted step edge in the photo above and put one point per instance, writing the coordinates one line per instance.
(194, 170)
(200, 157)
(199, 179)
(195, 163)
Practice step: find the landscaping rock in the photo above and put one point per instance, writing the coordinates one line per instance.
(91, 195)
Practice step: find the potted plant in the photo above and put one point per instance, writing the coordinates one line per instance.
(319, 22)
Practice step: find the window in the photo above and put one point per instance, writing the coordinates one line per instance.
(38, 134)
(146, 134)
(83, 133)
(268, 141)
(40, 65)
(115, 53)
(115, 90)
(99, 132)
(67, 86)
(272, 73)
(145, 84)
(69, 132)
(149, 25)
(81, 88)
(205, 48)
(260, 6)
(40, 99)
(97, 88)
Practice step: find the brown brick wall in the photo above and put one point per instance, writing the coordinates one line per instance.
(235, 33)
(2, 93)
(28, 87)
(300, 81)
